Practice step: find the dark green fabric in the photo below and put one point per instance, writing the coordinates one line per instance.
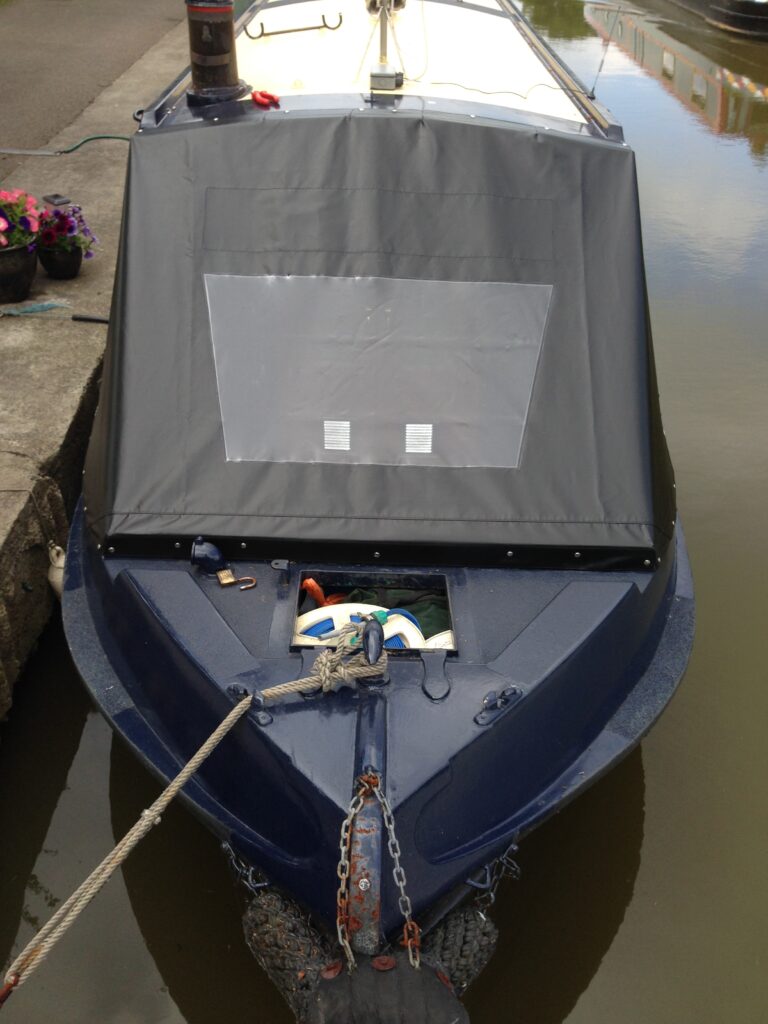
(429, 607)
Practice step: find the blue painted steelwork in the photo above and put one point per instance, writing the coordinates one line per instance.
(587, 660)
(558, 672)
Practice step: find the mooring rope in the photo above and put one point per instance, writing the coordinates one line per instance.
(38, 949)
(333, 668)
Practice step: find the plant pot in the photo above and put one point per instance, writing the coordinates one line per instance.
(17, 271)
(61, 263)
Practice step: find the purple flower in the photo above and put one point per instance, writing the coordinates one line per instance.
(57, 213)
(24, 224)
(31, 247)
(88, 254)
(71, 226)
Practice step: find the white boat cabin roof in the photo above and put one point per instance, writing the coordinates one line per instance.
(445, 51)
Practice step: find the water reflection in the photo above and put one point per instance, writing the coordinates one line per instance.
(560, 919)
(36, 754)
(578, 878)
(187, 908)
(560, 19)
(694, 917)
(579, 873)
(712, 78)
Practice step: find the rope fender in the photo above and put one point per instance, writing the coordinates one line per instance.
(304, 967)
(462, 944)
(288, 949)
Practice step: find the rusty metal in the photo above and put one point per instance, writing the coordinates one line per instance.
(383, 963)
(358, 911)
(365, 877)
(445, 980)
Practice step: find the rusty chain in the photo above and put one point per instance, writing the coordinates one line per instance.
(342, 895)
(411, 931)
(370, 784)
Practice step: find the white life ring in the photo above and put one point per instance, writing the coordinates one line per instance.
(341, 614)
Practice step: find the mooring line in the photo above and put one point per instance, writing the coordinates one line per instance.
(333, 668)
(38, 949)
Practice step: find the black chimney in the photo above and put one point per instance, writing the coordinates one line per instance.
(212, 54)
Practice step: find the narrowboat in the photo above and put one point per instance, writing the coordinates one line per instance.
(742, 17)
(379, 387)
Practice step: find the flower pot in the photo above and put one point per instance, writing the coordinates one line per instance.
(17, 271)
(61, 263)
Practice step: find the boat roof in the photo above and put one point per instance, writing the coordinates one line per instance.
(461, 51)
(477, 59)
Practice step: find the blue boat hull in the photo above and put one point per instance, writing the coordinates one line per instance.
(592, 657)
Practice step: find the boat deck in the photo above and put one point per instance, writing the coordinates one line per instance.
(457, 51)
(556, 677)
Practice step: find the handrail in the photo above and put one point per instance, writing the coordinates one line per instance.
(289, 31)
(560, 71)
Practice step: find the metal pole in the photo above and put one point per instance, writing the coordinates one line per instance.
(383, 34)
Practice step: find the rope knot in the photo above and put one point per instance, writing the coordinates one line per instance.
(333, 672)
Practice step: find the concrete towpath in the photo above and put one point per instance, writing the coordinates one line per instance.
(49, 366)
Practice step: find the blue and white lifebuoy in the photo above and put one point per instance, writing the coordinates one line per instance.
(401, 628)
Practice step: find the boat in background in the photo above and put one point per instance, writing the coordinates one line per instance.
(715, 82)
(379, 372)
(742, 17)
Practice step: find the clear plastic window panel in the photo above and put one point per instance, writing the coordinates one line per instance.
(375, 371)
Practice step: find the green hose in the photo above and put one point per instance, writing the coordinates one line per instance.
(62, 152)
(93, 138)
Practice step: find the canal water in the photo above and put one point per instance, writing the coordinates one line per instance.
(644, 902)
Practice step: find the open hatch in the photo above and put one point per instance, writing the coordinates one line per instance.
(414, 609)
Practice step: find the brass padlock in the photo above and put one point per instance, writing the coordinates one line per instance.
(227, 578)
